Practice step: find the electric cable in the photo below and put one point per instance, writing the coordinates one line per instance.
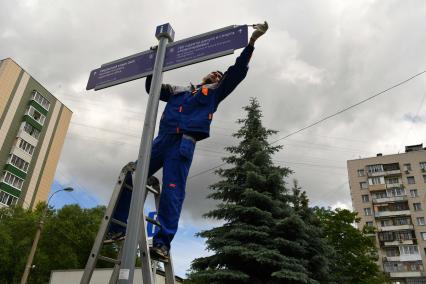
(325, 118)
(349, 107)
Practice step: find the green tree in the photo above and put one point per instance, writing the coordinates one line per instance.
(17, 228)
(65, 243)
(264, 238)
(356, 253)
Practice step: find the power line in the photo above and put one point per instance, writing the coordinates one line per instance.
(349, 107)
(325, 118)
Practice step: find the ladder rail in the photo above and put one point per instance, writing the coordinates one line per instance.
(106, 219)
(168, 266)
(148, 266)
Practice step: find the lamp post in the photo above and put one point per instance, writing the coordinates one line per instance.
(37, 237)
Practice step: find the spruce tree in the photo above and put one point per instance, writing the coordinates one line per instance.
(264, 238)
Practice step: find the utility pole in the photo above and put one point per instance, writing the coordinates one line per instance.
(37, 237)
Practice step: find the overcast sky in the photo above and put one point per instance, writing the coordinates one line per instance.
(317, 58)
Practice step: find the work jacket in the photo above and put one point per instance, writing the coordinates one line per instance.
(189, 110)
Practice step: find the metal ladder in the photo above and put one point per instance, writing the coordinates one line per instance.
(148, 267)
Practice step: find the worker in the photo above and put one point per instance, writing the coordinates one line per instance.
(186, 119)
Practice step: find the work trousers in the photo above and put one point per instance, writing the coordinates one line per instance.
(173, 153)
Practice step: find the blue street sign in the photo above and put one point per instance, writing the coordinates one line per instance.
(151, 229)
(178, 54)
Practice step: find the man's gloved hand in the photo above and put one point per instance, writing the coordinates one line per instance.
(259, 30)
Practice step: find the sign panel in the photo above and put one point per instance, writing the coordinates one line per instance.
(178, 54)
(152, 229)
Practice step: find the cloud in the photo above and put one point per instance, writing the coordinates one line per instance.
(316, 59)
(414, 118)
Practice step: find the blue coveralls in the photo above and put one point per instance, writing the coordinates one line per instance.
(185, 120)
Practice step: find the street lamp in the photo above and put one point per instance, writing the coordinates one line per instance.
(37, 237)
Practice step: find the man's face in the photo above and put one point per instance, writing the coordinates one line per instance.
(213, 77)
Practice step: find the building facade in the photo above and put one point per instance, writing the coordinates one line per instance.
(389, 193)
(33, 125)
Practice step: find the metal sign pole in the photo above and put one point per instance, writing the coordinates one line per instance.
(164, 34)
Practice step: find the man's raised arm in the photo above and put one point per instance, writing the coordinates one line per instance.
(237, 72)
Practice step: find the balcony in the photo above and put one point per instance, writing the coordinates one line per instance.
(403, 257)
(392, 172)
(396, 228)
(375, 174)
(27, 137)
(406, 274)
(397, 243)
(392, 213)
(384, 173)
(390, 199)
(394, 185)
(375, 187)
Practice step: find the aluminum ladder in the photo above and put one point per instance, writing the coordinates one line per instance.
(124, 182)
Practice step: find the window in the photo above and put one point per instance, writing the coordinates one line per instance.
(28, 128)
(40, 99)
(407, 167)
(27, 147)
(393, 267)
(13, 180)
(411, 180)
(376, 180)
(402, 221)
(392, 180)
(392, 251)
(18, 162)
(415, 266)
(361, 173)
(369, 224)
(365, 198)
(363, 185)
(386, 223)
(7, 199)
(423, 234)
(424, 178)
(421, 221)
(422, 166)
(395, 192)
(375, 168)
(409, 249)
(403, 235)
(36, 115)
(417, 206)
(380, 194)
(367, 211)
(386, 236)
(414, 193)
(399, 207)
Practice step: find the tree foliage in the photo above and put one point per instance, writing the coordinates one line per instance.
(269, 235)
(355, 255)
(65, 242)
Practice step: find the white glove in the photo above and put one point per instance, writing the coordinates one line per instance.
(259, 30)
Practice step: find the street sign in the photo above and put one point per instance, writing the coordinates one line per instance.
(178, 54)
(152, 229)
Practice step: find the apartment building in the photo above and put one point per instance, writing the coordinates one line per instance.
(389, 194)
(33, 125)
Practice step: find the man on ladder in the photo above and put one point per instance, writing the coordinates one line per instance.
(185, 120)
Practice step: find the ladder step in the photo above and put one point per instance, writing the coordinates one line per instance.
(118, 222)
(108, 259)
(150, 188)
(153, 221)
